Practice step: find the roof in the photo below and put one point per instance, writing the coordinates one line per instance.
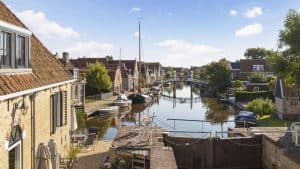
(68, 65)
(46, 69)
(235, 65)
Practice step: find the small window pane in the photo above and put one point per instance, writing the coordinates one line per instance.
(5, 49)
(20, 49)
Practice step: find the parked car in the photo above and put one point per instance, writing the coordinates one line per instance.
(245, 119)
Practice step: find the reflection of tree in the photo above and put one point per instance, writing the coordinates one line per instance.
(136, 108)
(101, 123)
(216, 112)
(196, 90)
(169, 90)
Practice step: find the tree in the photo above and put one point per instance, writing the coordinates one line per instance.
(257, 53)
(218, 75)
(261, 106)
(97, 77)
(237, 84)
(286, 64)
(169, 72)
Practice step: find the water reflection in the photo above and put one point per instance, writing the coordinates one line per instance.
(164, 108)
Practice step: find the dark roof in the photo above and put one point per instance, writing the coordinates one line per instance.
(235, 65)
(68, 65)
(46, 69)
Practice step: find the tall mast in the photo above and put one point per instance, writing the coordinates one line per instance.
(140, 64)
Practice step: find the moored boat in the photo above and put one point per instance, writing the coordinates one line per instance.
(122, 101)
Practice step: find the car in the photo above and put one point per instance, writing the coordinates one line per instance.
(245, 119)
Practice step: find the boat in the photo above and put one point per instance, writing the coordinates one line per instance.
(139, 98)
(245, 119)
(155, 90)
(104, 111)
(122, 101)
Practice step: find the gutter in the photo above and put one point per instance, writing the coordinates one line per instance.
(29, 91)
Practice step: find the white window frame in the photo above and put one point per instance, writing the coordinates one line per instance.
(15, 32)
(17, 145)
(257, 68)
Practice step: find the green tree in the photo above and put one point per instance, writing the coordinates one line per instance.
(169, 72)
(257, 77)
(81, 118)
(286, 64)
(261, 106)
(257, 53)
(218, 75)
(237, 85)
(97, 77)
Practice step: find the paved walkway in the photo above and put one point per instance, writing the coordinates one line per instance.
(93, 157)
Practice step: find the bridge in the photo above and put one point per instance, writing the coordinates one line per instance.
(190, 80)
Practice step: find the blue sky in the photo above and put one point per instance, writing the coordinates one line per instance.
(174, 32)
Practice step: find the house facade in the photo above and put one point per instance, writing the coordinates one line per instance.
(287, 101)
(130, 74)
(242, 69)
(35, 96)
(155, 71)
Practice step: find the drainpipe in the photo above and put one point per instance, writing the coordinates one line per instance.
(32, 101)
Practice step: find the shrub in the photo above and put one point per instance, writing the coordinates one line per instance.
(244, 96)
(238, 84)
(257, 77)
(261, 106)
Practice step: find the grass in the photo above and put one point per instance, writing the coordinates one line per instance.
(89, 100)
(272, 121)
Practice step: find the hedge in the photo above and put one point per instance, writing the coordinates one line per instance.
(245, 96)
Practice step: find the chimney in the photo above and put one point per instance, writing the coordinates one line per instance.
(66, 57)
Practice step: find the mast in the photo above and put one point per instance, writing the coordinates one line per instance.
(139, 64)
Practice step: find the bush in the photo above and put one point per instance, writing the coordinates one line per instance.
(237, 84)
(261, 106)
(257, 77)
(244, 96)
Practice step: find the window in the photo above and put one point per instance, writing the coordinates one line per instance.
(5, 49)
(258, 67)
(14, 48)
(255, 89)
(58, 110)
(20, 52)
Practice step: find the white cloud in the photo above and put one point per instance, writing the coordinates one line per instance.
(249, 30)
(254, 12)
(135, 9)
(136, 34)
(180, 52)
(90, 49)
(45, 28)
(233, 12)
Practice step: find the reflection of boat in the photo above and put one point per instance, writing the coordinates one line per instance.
(139, 98)
(104, 111)
(122, 101)
(155, 90)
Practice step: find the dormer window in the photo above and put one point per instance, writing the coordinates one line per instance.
(5, 49)
(14, 49)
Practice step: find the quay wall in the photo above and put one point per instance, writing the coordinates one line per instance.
(216, 153)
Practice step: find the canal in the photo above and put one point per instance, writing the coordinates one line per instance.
(165, 107)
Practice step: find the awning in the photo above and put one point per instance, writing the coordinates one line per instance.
(53, 154)
(74, 120)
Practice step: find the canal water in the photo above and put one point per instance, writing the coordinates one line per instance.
(210, 110)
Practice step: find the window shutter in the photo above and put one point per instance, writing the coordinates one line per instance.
(58, 109)
(65, 107)
(52, 115)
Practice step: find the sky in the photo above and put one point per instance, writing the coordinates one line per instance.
(174, 32)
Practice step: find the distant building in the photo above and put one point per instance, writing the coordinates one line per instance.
(287, 101)
(242, 69)
(155, 71)
(130, 73)
(113, 68)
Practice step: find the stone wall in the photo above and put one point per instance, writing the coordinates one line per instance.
(288, 108)
(274, 157)
(42, 125)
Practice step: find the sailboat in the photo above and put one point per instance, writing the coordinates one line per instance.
(139, 97)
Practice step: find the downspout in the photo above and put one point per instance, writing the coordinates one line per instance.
(32, 101)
